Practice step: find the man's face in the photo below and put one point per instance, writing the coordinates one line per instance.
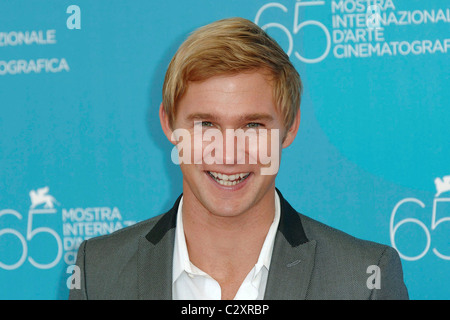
(234, 182)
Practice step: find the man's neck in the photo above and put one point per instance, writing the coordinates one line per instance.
(226, 246)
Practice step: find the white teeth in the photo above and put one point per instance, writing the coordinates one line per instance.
(228, 180)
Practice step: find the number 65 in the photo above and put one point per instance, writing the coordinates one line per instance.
(296, 27)
(30, 234)
(393, 228)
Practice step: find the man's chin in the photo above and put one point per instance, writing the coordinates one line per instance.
(226, 209)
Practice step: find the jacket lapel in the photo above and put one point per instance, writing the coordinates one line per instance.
(155, 255)
(292, 258)
(290, 271)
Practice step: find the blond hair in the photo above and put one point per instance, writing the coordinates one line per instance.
(231, 46)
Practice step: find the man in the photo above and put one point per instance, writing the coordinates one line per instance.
(232, 235)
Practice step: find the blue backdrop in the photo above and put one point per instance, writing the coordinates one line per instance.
(82, 153)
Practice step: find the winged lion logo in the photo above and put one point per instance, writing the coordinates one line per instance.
(41, 196)
(442, 185)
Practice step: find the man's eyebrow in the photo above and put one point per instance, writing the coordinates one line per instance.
(201, 116)
(257, 117)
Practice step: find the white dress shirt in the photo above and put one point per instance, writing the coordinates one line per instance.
(191, 283)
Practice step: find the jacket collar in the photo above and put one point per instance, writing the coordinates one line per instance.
(292, 258)
(290, 269)
(290, 224)
(155, 258)
(167, 222)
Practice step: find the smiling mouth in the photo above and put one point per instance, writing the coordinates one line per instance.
(228, 180)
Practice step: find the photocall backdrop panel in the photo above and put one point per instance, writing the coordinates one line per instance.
(82, 153)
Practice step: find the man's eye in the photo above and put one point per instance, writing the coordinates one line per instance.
(254, 125)
(206, 124)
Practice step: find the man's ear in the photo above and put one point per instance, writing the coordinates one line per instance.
(165, 123)
(292, 132)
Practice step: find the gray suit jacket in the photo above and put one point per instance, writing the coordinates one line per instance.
(310, 261)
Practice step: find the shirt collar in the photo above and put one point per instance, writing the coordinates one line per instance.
(181, 257)
(267, 248)
(181, 260)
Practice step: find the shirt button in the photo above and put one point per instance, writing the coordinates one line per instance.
(191, 275)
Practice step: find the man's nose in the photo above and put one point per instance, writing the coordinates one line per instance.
(240, 147)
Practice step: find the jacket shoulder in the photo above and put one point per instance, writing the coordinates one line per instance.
(344, 266)
(109, 262)
(332, 238)
(124, 236)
